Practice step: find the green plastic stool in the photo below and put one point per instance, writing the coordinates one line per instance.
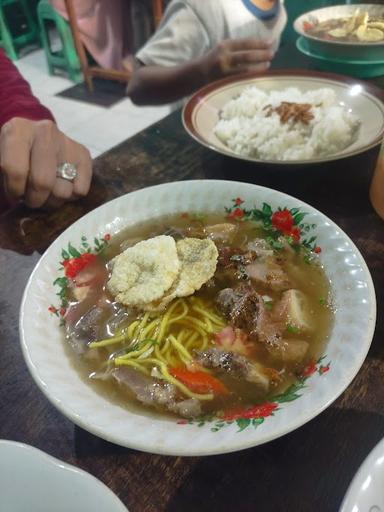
(12, 43)
(66, 58)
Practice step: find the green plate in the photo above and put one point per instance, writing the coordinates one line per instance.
(344, 66)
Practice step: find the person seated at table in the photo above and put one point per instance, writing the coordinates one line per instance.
(199, 41)
(39, 163)
(101, 29)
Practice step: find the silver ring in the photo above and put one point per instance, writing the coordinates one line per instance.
(66, 171)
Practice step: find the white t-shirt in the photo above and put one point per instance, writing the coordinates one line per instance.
(190, 28)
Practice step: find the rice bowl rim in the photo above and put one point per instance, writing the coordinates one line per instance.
(298, 26)
(189, 112)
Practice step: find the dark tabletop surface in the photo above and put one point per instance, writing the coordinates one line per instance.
(306, 470)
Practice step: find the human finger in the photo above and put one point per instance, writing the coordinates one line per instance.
(76, 154)
(255, 68)
(42, 175)
(62, 191)
(251, 57)
(82, 181)
(15, 147)
(53, 204)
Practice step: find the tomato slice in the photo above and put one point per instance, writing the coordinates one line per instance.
(199, 382)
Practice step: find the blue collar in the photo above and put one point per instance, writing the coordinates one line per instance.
(260, 13)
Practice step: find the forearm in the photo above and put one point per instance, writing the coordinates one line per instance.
(156, 85)
(16, 98)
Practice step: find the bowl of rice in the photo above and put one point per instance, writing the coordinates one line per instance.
(287, 117)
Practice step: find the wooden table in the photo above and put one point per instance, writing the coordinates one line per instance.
(307, 470)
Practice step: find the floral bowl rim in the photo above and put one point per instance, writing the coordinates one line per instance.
(154, 434)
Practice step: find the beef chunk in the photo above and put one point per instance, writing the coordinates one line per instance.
(235, 365)
(241, 306)
(155, 392)
(268, 273)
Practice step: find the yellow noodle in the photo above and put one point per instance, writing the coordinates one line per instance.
(182, 335)
(189, 345)
(209, 324)
(132, 328)
(108, 341)
(179, 347)
(212, 316)
(204, 344)
(136, 353)
(194, 327)
(159, 355)
(163, 326)
(167, 339)
(182, 315)
(148, 330)
(195, 322)
(128, 362)
(165, 346)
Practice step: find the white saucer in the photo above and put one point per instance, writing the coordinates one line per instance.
(33, 481)
(366, 491)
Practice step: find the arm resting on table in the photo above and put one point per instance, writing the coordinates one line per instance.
(156, 85)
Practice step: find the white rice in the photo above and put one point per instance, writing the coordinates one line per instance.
(245, 128)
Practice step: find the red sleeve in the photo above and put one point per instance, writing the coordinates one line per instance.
(16, 98)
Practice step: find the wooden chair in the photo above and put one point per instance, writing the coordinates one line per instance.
(157, 9)
(94, 71)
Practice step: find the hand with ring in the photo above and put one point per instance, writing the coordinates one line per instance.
(41, 165)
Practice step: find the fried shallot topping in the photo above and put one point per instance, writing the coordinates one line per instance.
(298, 112)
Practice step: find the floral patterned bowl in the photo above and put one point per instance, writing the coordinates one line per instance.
(319, 385)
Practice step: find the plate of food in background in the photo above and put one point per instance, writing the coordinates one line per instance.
(345, 39)
(197, 318)
(287, 117)
(347, 31)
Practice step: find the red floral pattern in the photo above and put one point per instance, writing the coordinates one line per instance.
(310, 369)
(295, 234)
(258, 411)
(73, 266)
(236, 214)
(324, 369)
(288, 223)
(74, 261)
(256, 414)
(283, 221)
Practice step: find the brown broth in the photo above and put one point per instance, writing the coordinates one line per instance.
(321, 30)
(307, 277)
